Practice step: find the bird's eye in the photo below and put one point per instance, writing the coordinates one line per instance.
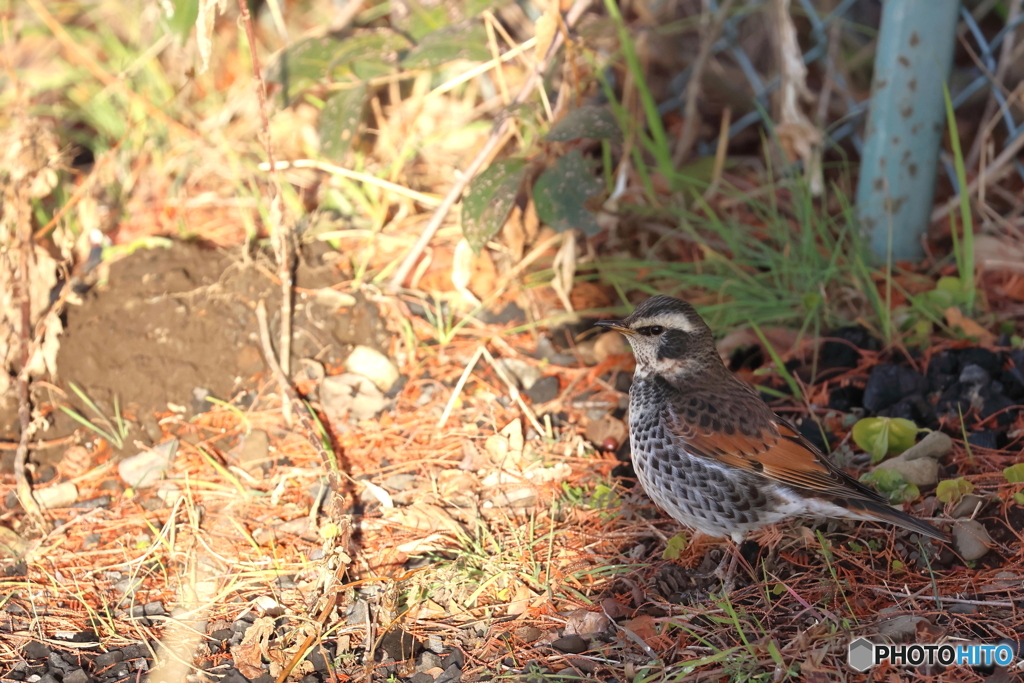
(656, 330)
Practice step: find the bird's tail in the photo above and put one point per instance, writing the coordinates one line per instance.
(870, 510)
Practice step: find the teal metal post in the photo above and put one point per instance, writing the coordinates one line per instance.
(905, 124)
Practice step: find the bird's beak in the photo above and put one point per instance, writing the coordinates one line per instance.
(615, 325)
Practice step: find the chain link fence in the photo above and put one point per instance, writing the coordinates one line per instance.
(988, 71)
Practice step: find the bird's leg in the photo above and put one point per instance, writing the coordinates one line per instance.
(728, 573)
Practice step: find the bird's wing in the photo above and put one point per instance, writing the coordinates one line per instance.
(757, 441)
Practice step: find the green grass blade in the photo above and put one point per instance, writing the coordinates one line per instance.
(965, 255)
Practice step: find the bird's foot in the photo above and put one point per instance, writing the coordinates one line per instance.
(726, 570)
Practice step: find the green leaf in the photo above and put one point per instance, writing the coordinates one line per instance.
(184, 18)
(368, 55)
(447, 45)
(562, 191)
(1015, 473)
(897, 565)
(952, 490)
(586, 122)
(883, 436)
(892, 484)
(328, 59)
(1019, 497)
(675, 546)
(339, 122)
(489, 200)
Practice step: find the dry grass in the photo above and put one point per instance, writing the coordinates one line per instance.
(504, 537)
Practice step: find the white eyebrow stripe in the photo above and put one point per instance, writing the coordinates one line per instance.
(675, 321)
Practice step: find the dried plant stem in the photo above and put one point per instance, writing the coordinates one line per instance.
(333, 169)
(498, 134)
(280, 228)
(688, 136)
(288, 392)
(458, 386)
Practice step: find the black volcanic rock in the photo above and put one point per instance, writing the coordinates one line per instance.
(914, 408)
(983, 439)
(888, 384)
(846, 398)
(943, 370)
(1013, 383)
(989, 360)
(844, 354)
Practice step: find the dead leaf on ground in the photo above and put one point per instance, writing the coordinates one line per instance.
(998, 254)
(955, 318)
(423, 517)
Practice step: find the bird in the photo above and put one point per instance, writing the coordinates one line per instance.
(711, 453)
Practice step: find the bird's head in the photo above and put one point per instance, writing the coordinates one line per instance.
(668, 338)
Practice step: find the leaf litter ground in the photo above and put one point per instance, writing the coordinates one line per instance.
(485, 547)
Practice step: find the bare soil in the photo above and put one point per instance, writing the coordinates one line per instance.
(168, 322)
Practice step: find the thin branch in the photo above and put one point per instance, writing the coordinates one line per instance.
(280, 232)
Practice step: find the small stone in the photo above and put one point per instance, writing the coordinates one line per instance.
(358, 614)
(200, 404)
(989, 361)
(901, 627)
(962, 609)
(528, 634)
(36, 650)
(610, 344)
(452, 674)
(1007, 579)
(967, 505)
(333, 299)
(77, 676)
(920, 472)
(255, 449)
(515, 498)
(887, 384)
(598, 432)
(399, 482)
(524, 374)
(546, 351)
(583, 622)
(971, 539)
(373, 365)
(974, 376)
(155, 608)
(169, 493)
(986, 438)
(92, 503)
(148, 467)
(60, 496)
(135, 651)
(543, 390)
(351, 394)
(269, 606)
(935, 445)
(128, 586)
(572, 645)
(586, 351)
(108, 659)
(429, 660)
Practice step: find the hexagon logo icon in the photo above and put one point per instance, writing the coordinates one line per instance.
(862, 654)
